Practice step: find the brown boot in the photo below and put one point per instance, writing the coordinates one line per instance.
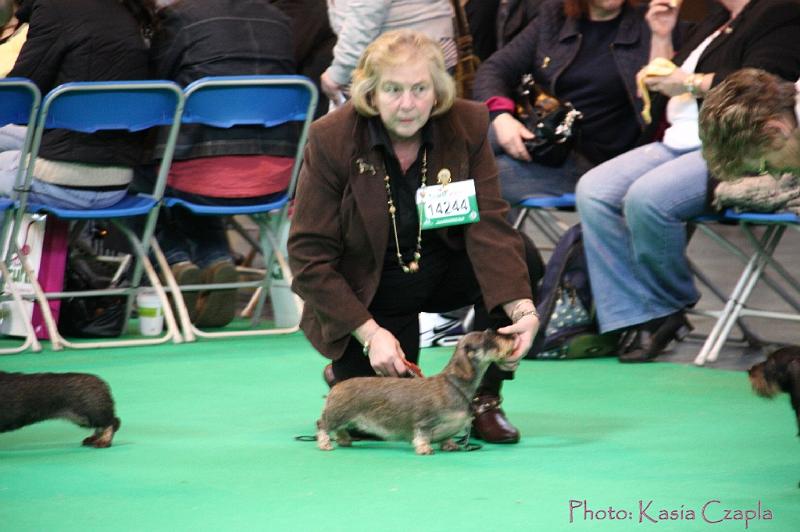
(490, 423)
(217, 308)
(330, 378)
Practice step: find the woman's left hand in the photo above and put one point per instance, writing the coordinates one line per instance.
(671, 85)
(524, 332)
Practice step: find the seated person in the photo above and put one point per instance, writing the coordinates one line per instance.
(633, 208)
(749, 125)
(81, 40)
(361, 260)
(236, 166)
(584, 52)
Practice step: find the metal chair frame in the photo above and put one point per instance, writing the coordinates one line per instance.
(226, 101)
(19, 104)
(764, 247)
(97, 106)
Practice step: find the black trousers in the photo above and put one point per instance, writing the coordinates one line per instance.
(445, 282)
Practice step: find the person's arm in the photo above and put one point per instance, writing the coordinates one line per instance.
(361, 25)
(316, 245)
(41, 55)
(662, 17)
(495, 82)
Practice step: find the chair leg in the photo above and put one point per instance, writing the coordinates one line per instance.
(738, 298)
(177, 296)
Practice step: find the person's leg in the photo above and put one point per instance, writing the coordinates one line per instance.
(656, 209)
(72, 198)
(460, 287)
(520, 179)
(613, 269)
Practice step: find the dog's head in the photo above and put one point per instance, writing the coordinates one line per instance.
(760, 383)
(476, 350)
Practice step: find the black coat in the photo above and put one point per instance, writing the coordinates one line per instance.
(83, 40)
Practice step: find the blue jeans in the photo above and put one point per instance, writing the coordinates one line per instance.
(633, 209)
(11, 139)
(522, 179)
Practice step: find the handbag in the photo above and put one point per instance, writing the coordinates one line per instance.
(467, 63)
(554, 123)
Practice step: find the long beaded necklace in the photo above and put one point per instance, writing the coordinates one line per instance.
(413, 266)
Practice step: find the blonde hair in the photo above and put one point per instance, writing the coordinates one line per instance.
(395, 48)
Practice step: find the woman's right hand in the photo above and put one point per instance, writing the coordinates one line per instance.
(662, 16)
(385, 355)
(510, 135)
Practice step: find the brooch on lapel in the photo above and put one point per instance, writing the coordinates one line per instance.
(364, 167)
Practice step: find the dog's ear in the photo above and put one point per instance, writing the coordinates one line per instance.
(462, 366)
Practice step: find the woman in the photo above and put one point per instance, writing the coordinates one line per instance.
(360, 259)
(586, 52)
(82, 40)
(634, 207)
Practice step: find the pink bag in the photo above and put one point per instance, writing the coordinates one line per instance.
(44, 240)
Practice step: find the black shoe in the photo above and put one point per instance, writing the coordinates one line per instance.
(654, 337)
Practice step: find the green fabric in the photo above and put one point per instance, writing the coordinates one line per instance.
(207, 443)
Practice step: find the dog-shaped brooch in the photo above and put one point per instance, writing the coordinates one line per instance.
(78, 397)
(780, 372)
(419, 410)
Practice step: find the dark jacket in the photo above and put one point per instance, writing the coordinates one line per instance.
(225, 38)
(83, 40)
(340, 227)
(549, 44)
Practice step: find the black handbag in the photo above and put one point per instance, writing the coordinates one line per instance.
(555, 124)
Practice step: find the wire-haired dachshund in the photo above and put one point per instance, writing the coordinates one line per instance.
(78, 397)
(780, 372)
(419, 410)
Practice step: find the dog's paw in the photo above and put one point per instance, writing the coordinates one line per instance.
(423, 448)
(101, 439)
(449, 445)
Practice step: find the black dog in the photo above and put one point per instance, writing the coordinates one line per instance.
(79, 397)
(780, 372)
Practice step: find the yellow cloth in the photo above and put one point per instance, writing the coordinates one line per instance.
(657, 67)
(9, 50)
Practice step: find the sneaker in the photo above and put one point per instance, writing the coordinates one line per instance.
(440, 329)
(216, 308)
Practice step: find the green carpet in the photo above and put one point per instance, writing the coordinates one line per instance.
(207, 443)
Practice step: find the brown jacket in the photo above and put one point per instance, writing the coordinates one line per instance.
(340, 227)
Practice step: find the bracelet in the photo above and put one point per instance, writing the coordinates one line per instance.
(692, 84)
(532, 312)
(367, 341)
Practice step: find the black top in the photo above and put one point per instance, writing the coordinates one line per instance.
(404, 190)
(83, 40)
(594, 87)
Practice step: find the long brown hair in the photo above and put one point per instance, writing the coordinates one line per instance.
(580, 8)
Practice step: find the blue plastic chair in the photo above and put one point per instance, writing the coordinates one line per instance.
(19, 105)
(267, 101)
(763, 248)
(541, 210)
(89, 107)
